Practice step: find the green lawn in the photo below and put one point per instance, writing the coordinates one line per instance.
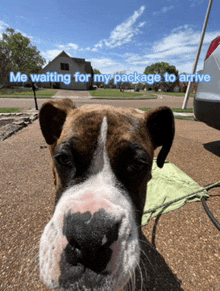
(180, 94)
(190, 110)
(26, 93)
(116, 94)
(10, 110)
(190, 118)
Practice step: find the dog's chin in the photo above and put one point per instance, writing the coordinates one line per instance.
(99, 283)
(91, 282)
(77, 278)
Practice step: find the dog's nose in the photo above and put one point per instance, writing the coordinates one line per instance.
(89, 238)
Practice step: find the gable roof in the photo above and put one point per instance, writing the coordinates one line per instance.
(77, 61)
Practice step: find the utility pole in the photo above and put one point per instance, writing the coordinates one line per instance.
(198, 54)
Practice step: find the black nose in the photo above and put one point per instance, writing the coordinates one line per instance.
(90, 237)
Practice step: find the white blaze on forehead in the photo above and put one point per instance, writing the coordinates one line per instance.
(103, 132)
(100, 158)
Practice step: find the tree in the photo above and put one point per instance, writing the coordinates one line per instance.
(17, 54)
(120, 85)
(110, 84)
(95, 71)
(161, 69)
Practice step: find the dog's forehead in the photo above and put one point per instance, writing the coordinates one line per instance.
(85, 123)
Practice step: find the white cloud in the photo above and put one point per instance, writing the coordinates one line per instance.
(164, 9)
(141, 24)
(102, 63)
(184, 38)
(106, 65)
(3, 26)
(69, 46)
(179, 48)
(120, 35)
(99, 44)
(94, 50)
(195, 2)
(124, 32)
(72, 46)
(61, 46)
(49, 55)
(25, 34)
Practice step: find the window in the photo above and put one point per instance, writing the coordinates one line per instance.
(64, 66)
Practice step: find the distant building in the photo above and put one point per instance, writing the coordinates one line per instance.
(64, 64)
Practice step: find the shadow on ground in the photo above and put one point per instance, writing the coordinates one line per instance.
(213, 147)
(153, 273)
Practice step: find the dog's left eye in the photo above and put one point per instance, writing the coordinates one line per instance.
(64, 160)
(136, 167)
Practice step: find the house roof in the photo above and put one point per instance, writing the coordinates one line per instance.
(77, 61)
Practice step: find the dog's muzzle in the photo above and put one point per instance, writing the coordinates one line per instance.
(95, 249)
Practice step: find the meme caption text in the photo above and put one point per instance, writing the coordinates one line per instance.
(150, 79)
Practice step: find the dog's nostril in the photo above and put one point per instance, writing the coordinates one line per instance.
(75, 249)
(73, 255)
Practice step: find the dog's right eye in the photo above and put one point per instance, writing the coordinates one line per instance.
(64, 160)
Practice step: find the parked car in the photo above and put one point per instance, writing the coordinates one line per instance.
(207, 98)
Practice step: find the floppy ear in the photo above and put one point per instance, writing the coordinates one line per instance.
(52, 117)
(160, 124)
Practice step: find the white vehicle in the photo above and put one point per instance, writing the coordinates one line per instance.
(207, 98)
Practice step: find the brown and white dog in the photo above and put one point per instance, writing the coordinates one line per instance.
(102, 158)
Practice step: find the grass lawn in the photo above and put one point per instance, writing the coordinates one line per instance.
(180, 94)
(116, 94)
(190, 110)
(26, 93)
(190, 118)
(10, 110)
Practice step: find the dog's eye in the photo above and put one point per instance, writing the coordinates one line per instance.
(137, 167)
(64, 160)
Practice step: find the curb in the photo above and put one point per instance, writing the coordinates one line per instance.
(10, 123)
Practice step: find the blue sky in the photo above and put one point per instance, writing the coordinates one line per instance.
(116, 36)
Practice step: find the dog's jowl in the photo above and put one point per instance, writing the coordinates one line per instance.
(102, 158)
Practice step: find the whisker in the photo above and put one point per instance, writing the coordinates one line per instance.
(146, 242)
(141, 275)
(143, 269)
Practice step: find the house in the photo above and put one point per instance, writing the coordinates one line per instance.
(64, 64)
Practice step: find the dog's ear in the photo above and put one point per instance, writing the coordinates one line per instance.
(52, 117)
(160, 124)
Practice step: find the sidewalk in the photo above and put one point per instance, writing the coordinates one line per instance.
(186, 238)
(72, 94)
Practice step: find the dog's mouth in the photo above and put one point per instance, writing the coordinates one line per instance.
(82, 269)
(76, 278)
(96, 262)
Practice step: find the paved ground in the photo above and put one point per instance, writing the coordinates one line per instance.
(186, 238)
(83, 97)
(72, 94)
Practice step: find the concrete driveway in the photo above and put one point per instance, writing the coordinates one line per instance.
(72, 94)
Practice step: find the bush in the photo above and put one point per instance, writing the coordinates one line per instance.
(56, 85)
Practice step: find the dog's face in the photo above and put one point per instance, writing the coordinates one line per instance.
(102, 158)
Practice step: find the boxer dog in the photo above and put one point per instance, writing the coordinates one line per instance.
(102, 158)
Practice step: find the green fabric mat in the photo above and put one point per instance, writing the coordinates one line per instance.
(166, 185)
